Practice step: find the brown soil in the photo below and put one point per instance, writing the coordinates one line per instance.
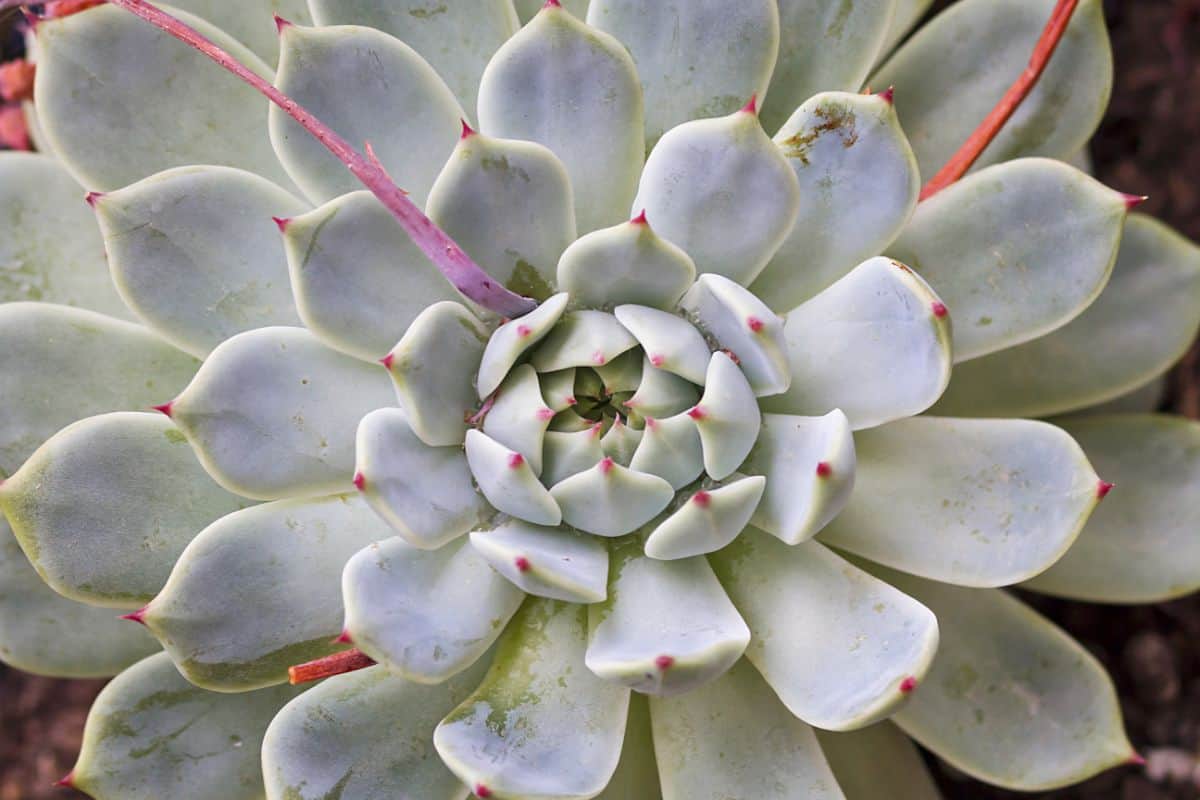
(1147, 145)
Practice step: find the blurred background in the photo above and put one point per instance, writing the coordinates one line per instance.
(1148, 144)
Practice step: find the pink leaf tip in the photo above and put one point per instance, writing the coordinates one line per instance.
(606, 465)
(908, 685)
(664, 663)
(1103, 488)
(282, 223)
(91, 198)
(1132, 201)
(545, 414)
(138, 616)
(387, 361)
(482, 791)
(360, 481)
(755, 324)
(522, 563)
(165, 408)
(1136, 760)
(515, 460)
(343, 638)
(939, 310)
(702, 499)
(599, 359)
(888, 95)
(640, 219)
(657, 360)
(697, 413)
(66, 781)
(467, 130)
(751, 106)
(824, 469)
(571, 401)
(552, 4)
(282, 24)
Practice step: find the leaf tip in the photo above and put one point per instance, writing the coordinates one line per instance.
(751, 106)
(545, 414)
(1103, 488)
(515, 460)
(702, 499)
(343, 638)
(908, 685)
(282, 223)
(824, 469)
(387, 361)
(1132, 201)
(755, 324)
(282, 24)
(66, 781)
(640, 219)
(552, 4)
(360, 481)
(92, 198)
(888, 95)
(138, 616)
(481, 790)
(467, 130)
(1136, 759)
(697, 413)
(939, 309)
(522, 564)
(166, 409)
(605, 465)
(664, 662)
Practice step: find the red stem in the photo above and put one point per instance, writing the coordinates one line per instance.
(456, 265)
(978, 141)
(336, 664)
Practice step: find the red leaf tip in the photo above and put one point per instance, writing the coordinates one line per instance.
(387, 361)
(1132, 201)
(1103, 488)
(282, 223)
(343, 638)
(66, 781)
(640, 219)
(545, 414)
(908, 685)
(606, 465)
(702, 499)
(697, 413)
(165, 408)
(552, 4)
(888, 95)
(282, 24)
(824, 469)
(664, 663)
(482, 791)
(515, 460)
(360, 481)
(467, 130)
(91, 198)
(657, 360)
(1136, 760)
(522, 563)
(138, 616)
(939, 310)
(755, 324)
(751, 106)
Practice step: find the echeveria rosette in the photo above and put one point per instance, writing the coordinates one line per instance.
(700, 471)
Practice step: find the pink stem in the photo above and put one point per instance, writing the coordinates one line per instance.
(456, 265)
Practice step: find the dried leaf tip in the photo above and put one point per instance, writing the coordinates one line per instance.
(336, 664)
(66, 781)
(165, 408)
(1132, 201)
(467, 130)
(1103, 488)
(751, 106)
(282, 24)
(138, 616)
(888, 95)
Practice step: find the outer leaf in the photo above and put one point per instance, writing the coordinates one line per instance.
(528, 9)
(45, 633)
(104, 508)
(119, 100)
(696, 59)
(458, 39)
(151, 734)
(824, 45)
(369, 87)
(425, 615)
(969, 502)
(427, 494)
(550, 562)
(49, 249)
(1140, 547)
(1012, 700)
(876, 345)
(666, 627)
(908, 12)
(257, 591)
(508, 204)
(858, 188)
(955, 69)
(840, 648)
(1143, 322)
(250, 22)
(894, 770)
(194, 253)
(732, 738)
(541, 724)
(272, 413)
(721, 190)
(626, 264)
(358, 278)
(574, 89)
(368, 735)
(58, 364)
(637, 772)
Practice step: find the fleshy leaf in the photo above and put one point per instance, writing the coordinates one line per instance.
(104, 508)
(194, 253)
(637, 772)
(272, 413)
(727, 417)
(566, 453)
(1143, 321)
(710, 519)
(358, 278)
(622, 374)
(720, 189)
(518, 417)
(60, 364)
(257, 591)
(662, 393)
(671, 449)
(368, 735)
(969, 502)
(528, 9)
(671, 342)
(611, 500)
(508, 204)
(1140, 546)
(512, 339)
(426, 615)
(1011, 700)
(809, 465)
(620, 442)
(549, 562)
(458, 39)
(625, 264)
(49, 250)
(742, 324)
(425, 493)
(250, 22)
(119, 100)
(841, 648)
(151, 734)
(369, 87)
(541, 724)
(45, 633)
(828, 44)
(582, 339)
(951, 74)
(858, 188)
(907, 14)
(508, 482)
(574, 89)
(667, 626)
(1015, 250)
(733, 738)
(433, 368)
(894, 770)
(696, 59)
(876, 345)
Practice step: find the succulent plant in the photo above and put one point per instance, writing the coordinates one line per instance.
(664, 487)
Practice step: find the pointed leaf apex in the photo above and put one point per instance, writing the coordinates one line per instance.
(282, 223)
(360, 481)
(824, 469)
(755, 324)
(664, 662)
(480, 789)
(702, 499)
(515, 460)
(697, 413)
(1132, 201)
(343, 638)
(606, 465)
(908, 685)
(282, 24)
(66, 781)
(165, 408)
(545, 414)
(751, 106)
(138, 616)
(888, 95)
(387, 361)
(91, 198)
(939, 310)
(522, 564)
(467, 130)
(552, 4)
(640, 219)
(1103, 488)
(1136, 760)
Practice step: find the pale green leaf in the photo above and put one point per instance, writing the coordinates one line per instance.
(625, 264)
(557, 563)
(878, 763)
